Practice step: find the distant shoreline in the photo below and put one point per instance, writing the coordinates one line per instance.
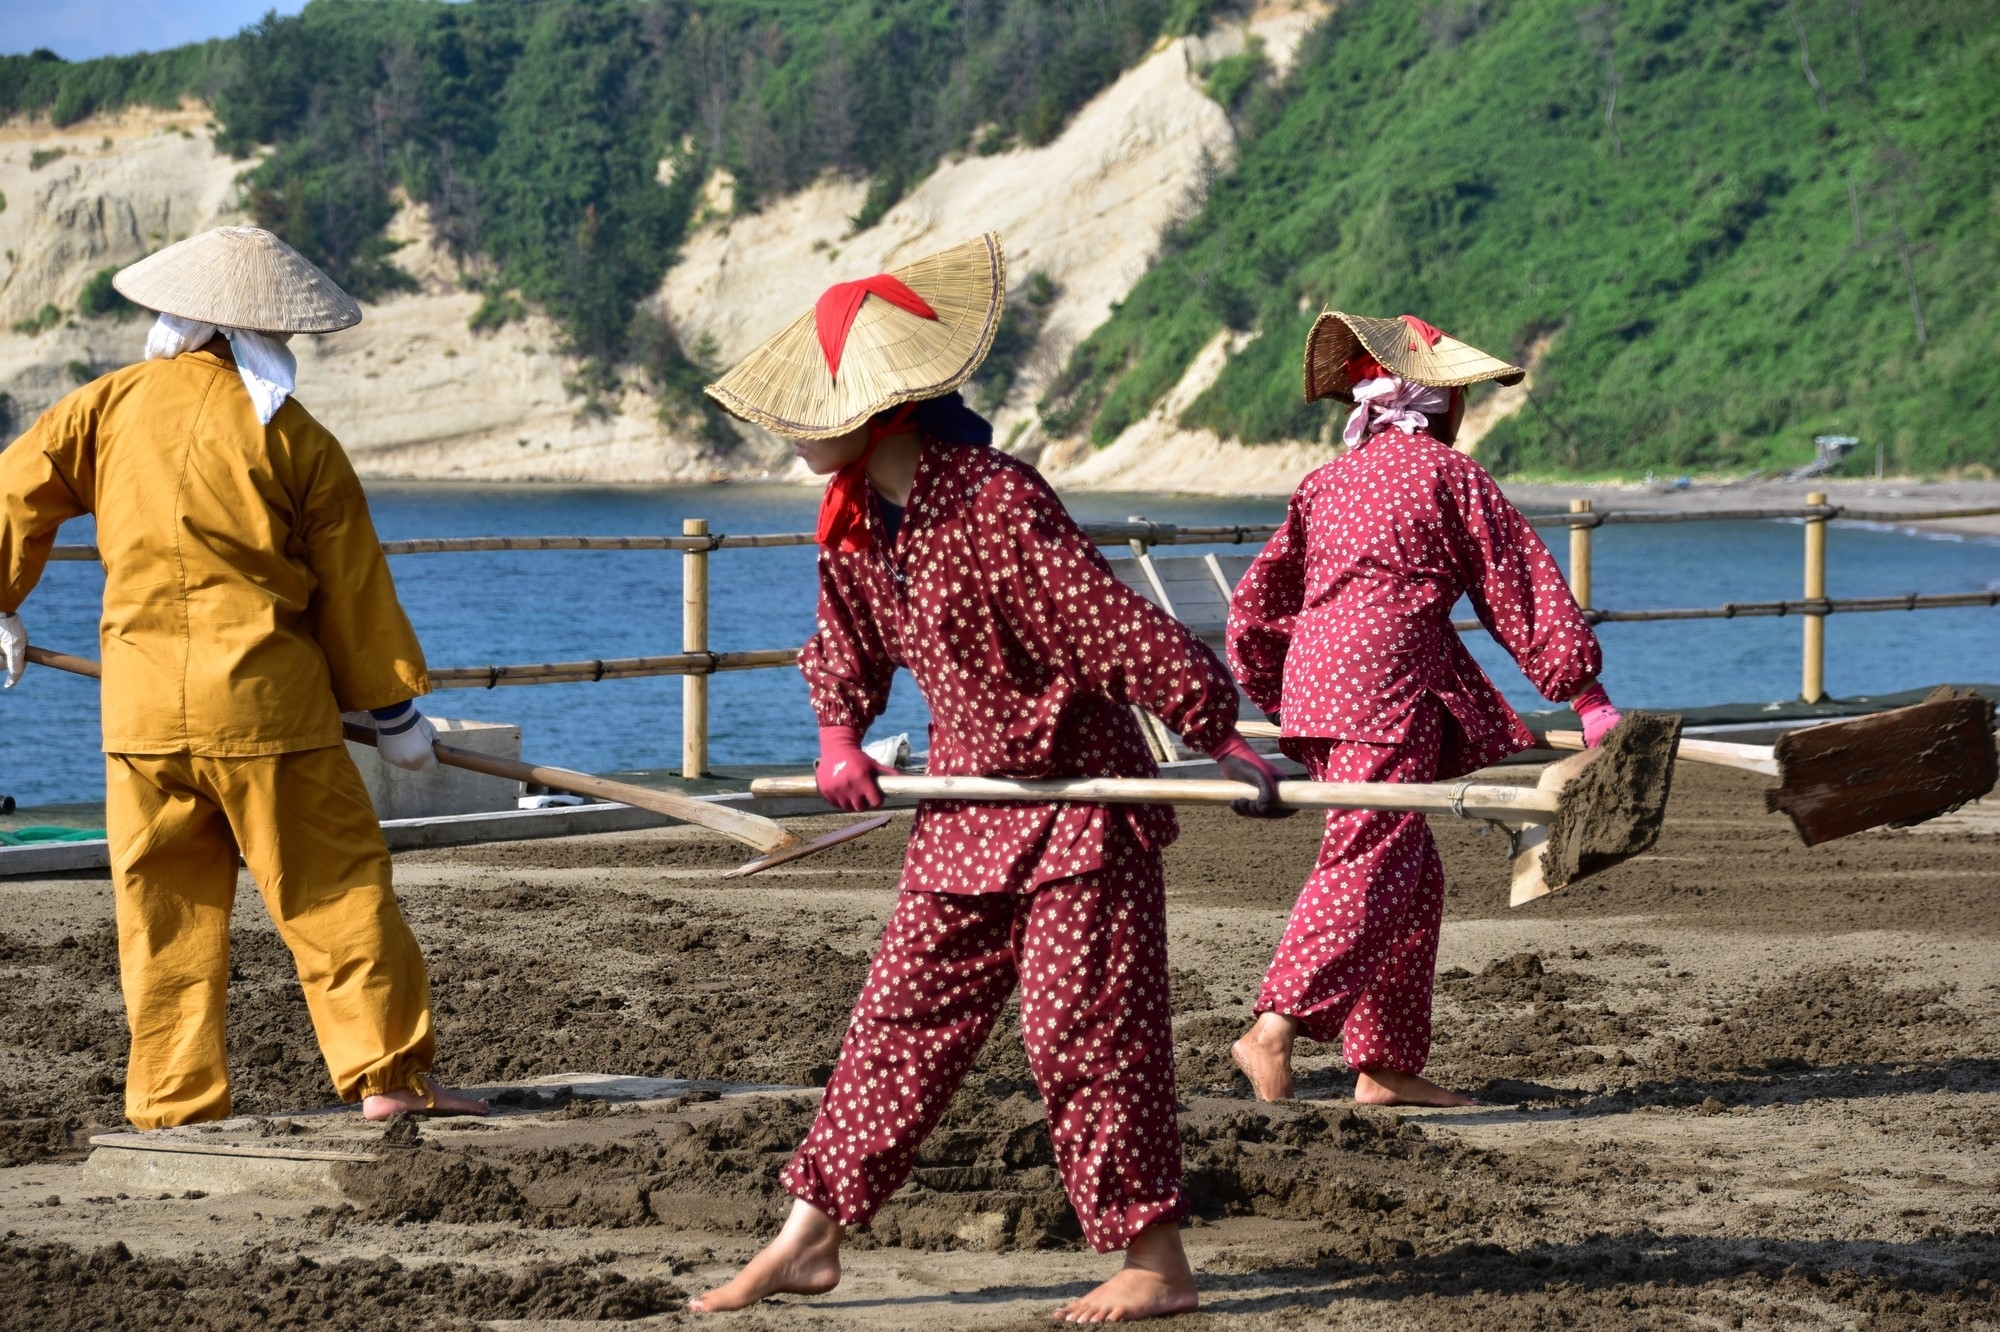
(1706, 495)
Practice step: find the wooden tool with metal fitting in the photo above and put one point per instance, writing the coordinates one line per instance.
(777, 845)
(1587, 813)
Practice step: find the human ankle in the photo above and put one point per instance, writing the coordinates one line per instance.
(1157, 1249)
(1274, 1031)
(810, 1228)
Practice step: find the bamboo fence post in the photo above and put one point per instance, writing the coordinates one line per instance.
(1813, 685)
(694, 638)
(1579, 555)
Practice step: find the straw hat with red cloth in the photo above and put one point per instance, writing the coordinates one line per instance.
(866, 346)
(1344, 349)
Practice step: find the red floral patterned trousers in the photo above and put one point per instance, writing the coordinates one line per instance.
(1359, 955)
(1090, 956)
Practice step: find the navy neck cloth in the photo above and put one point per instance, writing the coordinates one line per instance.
(892, 518)
(949, 419)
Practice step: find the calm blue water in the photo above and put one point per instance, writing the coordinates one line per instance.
(548, 606)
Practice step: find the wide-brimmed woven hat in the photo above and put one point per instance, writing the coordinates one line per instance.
(239, 277)
(872, 344)
(1402, 351)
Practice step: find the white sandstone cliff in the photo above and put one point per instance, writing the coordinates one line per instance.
(414, 393)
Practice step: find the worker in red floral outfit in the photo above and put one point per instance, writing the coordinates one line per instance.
(953, 559)
(1342, 626)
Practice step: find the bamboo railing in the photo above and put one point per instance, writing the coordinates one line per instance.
(695, 663)
(1143, 531)
(609, 668)
(1810, 607)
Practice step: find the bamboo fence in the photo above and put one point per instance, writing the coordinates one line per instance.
(696, 662)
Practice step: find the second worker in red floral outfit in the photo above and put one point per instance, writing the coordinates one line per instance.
(1343, 627)
(948, 557)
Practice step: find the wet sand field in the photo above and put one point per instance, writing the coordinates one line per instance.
(1734, 1084)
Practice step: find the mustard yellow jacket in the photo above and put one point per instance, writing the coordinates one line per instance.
(246, 599)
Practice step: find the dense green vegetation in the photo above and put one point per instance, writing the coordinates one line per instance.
(1734, 223)
(537, 131)
(45, 83)
(1788, 222)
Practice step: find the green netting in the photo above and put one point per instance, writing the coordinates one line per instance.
(35, 836)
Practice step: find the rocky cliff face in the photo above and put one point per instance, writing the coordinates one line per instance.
(100, 193)
(413, 392)
(1081, 219)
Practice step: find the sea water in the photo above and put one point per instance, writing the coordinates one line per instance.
(513, 607)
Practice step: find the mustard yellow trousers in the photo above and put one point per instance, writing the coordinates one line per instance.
(308, 834)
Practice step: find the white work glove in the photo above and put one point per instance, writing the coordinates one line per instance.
(404, 739)
(13, 646)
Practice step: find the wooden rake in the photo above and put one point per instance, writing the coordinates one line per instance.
(1588, 812)
(775, 845)
(1890, 769)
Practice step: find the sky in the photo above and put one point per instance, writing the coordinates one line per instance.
(83, 29)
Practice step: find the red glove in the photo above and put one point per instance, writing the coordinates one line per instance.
(845, 775)
(1240, 763)
(1593, 708)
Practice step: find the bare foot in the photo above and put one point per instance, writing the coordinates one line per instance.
(1264, 1053)
(1156, 1282)
(443, 1101)
(803, 1260)
(1385, 1086)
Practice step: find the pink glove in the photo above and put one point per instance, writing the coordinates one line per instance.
(1240, 763)
(845, 775)
(1593, 708)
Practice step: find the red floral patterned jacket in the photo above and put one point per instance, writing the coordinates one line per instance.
(1028, 650)
(1345, 616)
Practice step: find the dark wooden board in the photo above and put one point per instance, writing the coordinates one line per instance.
(1891, 769)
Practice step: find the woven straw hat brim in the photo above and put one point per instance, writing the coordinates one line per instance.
(239, 277)
(1450, 364)
(891, 357)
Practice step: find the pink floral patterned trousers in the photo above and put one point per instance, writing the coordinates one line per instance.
(1359, 955)
(1090, 956)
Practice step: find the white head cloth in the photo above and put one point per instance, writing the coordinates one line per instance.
(1380, 404)
(268, 368)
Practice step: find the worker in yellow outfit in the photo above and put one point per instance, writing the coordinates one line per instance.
(246, 605)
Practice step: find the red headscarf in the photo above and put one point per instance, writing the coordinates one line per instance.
(1363, 365)
(843, 509)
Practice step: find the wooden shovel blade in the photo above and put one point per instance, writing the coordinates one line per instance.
(814, 847)
(1611, 802)
(1891, 769)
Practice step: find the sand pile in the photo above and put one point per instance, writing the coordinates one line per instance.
(1719, 1095)
(57, 1288)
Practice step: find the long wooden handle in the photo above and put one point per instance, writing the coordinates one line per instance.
(62, 661)
(1513, 804)
(750, 829)
(1760, 759)
(1750, 758)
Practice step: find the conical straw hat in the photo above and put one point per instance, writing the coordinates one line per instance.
(891, 355)
(239, 277)
(1450, 364)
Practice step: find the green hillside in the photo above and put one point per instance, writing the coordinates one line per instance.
(1734, 261)
(536, 130)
